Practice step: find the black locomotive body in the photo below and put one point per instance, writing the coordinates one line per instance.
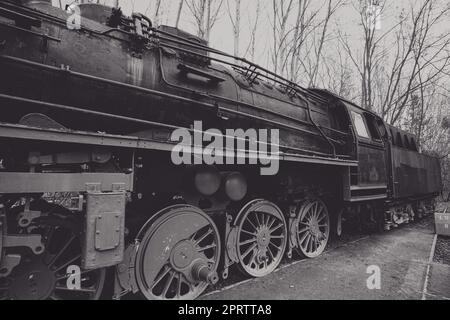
(90, 99)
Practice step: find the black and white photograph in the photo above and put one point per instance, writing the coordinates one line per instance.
(230, 154)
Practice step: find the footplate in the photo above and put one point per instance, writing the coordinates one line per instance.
(104, 238)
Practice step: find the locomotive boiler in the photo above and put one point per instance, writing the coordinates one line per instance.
(91, 99)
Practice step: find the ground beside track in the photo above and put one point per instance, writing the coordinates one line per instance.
(403, 256)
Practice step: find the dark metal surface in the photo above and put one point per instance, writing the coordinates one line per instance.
(20, 132)
(251, 104)
(45, 276)
(414, 174)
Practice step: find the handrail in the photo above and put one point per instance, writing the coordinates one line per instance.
(6, 25)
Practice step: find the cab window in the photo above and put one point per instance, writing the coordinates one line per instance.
(360, 126)
(372, 125)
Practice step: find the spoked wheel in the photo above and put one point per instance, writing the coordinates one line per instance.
(178, 254)
(313, 228)
(261, 238)
(47, 276)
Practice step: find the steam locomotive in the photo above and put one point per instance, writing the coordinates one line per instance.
(90, 101)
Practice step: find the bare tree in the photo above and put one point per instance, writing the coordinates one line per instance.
(370, 55)
(281, 11)
(338, 73)
(422, 57)
(251, 48)
(235, 19)
(300, 30)
(180, 9)
(205, 13)
(418, 54)
(330, 11)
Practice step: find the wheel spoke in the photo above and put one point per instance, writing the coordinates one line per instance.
(277, 237)
(316, 209)
(270, 253)
(303, 238)
(276, 228)
(251, 223)
(269, 225)
(306, 241)
(309, 248)
(194, 235)
(257, 219)
(320, 211)
(314, 244)
(245, 254)
(250, 233)
(210, 231)
(207, 247)
(179, 285)
(274, 245)
(247, 241)
(303, 230)
(161, 276)
(168, 283)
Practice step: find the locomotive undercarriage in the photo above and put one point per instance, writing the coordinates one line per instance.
(45, 226)
(176, 241)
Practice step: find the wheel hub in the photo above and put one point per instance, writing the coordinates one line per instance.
(34, 281)
(314, 228)
(263, 237)
(182, 255)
